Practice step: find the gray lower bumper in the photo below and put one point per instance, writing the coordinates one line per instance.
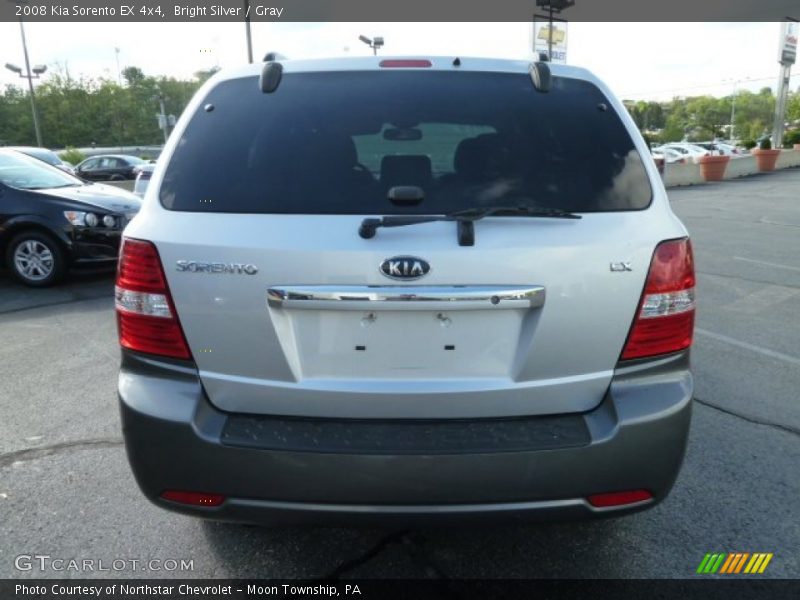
(174, 439)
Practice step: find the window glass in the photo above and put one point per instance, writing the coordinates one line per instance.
(337, 142)
(24, 172)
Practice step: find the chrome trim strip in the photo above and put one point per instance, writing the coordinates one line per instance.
(358, 297)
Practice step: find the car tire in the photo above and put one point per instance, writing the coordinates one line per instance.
(36, 259)
(116, 178)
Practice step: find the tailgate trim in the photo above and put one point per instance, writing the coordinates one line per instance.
(357, 297)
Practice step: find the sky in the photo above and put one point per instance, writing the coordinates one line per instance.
(640, 61)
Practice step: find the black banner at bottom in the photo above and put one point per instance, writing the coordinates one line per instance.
(540, 589)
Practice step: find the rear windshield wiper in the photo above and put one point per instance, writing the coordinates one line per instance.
(464, 218)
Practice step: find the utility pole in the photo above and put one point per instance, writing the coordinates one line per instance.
(30, 77)
(733, 113)
(247, 31)
(163, 117)
(119, 73)
(787, 53)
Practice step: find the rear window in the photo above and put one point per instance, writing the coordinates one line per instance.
(337, 142)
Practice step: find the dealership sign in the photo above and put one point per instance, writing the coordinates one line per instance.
(787, 53)
(542, 36)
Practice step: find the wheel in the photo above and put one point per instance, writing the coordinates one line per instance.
(36, 259)
(116, 178)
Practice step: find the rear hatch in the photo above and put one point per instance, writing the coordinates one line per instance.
(287, 310)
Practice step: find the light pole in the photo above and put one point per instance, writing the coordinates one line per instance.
(247, 31)
(374, 43)
(30, 75)
(162, 117)
(787, 55)
(731, 131)
(119, 73)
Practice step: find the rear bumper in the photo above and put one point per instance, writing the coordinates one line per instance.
(176, 440)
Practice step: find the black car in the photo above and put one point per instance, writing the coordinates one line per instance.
(50, 220)
(48, 156)
(109, 167)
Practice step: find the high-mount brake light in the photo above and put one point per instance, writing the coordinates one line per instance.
(664, 320)
(405, 63)
(146, 317)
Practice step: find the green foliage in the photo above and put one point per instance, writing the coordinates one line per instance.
(72, 155)
(793, 108)
(791, 138)
(673, 130)
(705, 117)
(79, 112)
(646, 115)
(765, 144)
(749, 144)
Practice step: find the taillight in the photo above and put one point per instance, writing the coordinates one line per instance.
(146, 317)
(665, 318)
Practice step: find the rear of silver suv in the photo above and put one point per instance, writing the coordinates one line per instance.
(397, 289)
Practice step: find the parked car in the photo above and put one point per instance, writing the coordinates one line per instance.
(720, 148)
(689, 151)
(366, 302)
(50, 220)
(143, 179)
(669, 155)
(45, 155)
(109, 167)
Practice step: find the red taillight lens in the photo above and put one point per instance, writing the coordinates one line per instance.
(140, 268)
(665, 318)
(146, 317)
(619, 498)
(405, 64)
(193, 498)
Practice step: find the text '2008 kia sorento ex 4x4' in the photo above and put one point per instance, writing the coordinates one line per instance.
(378, 289)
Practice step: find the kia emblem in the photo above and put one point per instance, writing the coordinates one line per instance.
(405, 268)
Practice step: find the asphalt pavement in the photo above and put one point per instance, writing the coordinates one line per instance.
(66, 490)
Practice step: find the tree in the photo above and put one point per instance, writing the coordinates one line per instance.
(133, 75)
(673, 129)
(205, 75)
(707, 115)
(753, 113)
(793, 108)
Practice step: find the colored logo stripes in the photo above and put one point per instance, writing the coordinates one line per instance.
(735, 562)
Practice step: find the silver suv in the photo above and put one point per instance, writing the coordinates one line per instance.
(394, 289)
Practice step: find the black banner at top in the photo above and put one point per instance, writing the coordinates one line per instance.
(393, 10)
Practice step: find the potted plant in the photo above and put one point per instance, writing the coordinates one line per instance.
(766, 156)
(713, 167)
